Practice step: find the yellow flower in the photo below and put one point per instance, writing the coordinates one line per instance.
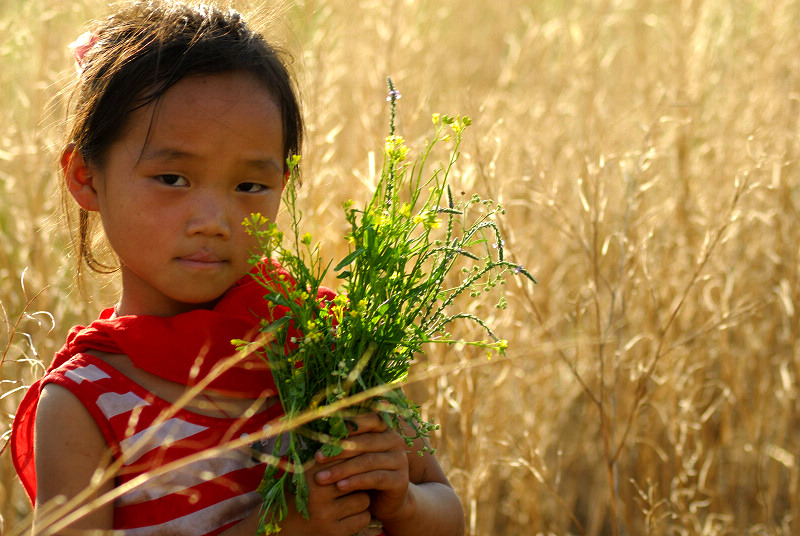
(429, 219)
(254, 222)
(435, 118)
(382, 219)
(461, 123)
(396, 148)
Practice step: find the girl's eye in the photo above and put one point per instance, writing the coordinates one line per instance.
(172, 180)
(251, 187)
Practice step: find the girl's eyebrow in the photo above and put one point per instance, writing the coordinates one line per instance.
(165, 154)
(265, 164)
(169, 154)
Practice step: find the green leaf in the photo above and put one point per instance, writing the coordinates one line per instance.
(331, 450)
(277, 324)
(349, 259)
(300, 486)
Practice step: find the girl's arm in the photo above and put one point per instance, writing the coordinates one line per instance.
(432, 506)
(68, 446)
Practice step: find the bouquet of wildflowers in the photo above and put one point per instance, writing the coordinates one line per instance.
(396, 296)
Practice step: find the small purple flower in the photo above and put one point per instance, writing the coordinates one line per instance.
(393, 95)
(518, 269)
(498, 244)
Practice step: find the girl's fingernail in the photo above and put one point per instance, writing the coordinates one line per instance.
(324, 475)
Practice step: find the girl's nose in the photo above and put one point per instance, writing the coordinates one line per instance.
(209, 217)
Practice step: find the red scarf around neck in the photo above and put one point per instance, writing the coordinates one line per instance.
(168, 347)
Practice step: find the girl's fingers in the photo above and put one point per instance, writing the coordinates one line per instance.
(353, 524)
(372, 435)
(369, 462)
(373, 480)
(352, 504)
(365, 443)
(333, 512)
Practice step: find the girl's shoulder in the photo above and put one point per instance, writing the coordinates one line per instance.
(83, 366)
(88, 377)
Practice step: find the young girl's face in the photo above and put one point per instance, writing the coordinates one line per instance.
(173, 191)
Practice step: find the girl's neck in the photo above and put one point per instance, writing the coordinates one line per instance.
(123, 308)
(138, 303)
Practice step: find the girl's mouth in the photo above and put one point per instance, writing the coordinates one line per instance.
(201, 258)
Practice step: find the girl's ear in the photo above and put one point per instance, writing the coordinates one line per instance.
(79, 178)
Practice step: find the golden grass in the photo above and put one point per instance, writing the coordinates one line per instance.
(647, 154)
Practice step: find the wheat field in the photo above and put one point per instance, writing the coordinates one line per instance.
(647, 156)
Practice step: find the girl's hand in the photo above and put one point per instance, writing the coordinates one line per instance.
(374, 459)
(332, 511)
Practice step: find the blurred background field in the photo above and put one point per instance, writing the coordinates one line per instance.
(647, 155)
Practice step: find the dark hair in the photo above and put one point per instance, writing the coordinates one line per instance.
(146, 47)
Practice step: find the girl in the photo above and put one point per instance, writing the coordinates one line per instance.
(183, 123)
